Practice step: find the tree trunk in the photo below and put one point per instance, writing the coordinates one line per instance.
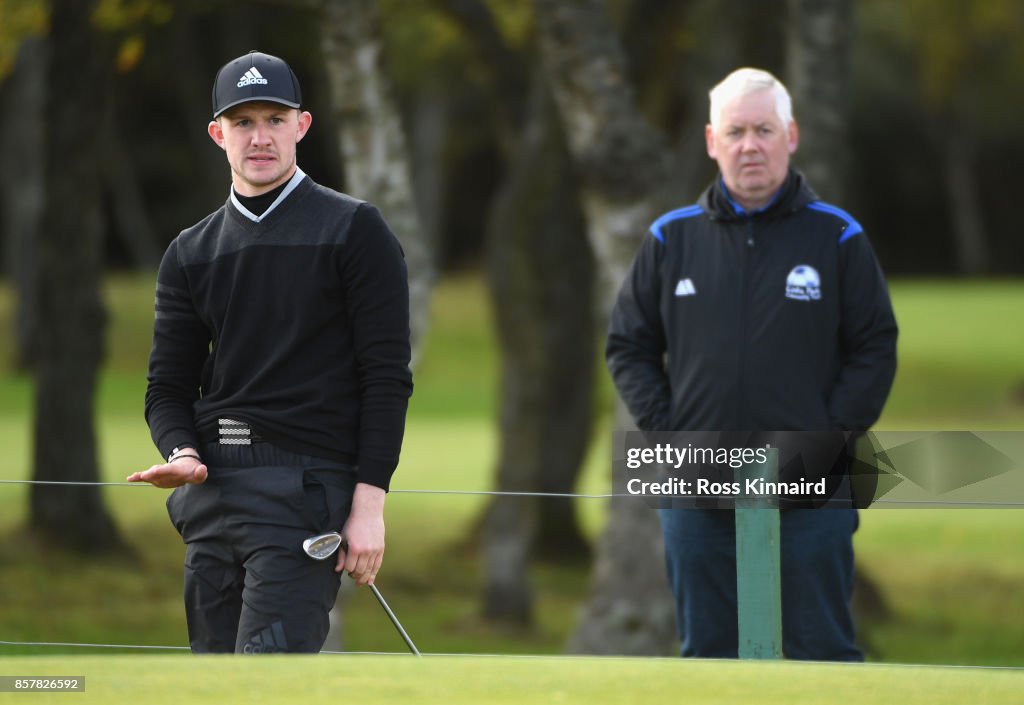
(120, 179)
(630, 609)
(622, 160)
(378, 166)
(819, 79)
(431, 123)
(71, 341)
(818, 64)
(21, 188)
(211, 179)
(968, 223)
(540, 275)
(624, 167)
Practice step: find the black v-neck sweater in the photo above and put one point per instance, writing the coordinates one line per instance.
(298, 325)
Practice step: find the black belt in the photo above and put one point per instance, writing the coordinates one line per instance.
(231, 432)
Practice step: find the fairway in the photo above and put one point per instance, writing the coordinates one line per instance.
(480, 679)
(945, 577)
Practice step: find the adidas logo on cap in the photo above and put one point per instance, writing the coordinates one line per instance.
(255, 77)
(250, 77)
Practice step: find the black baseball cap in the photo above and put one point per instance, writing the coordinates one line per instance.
(255, 76)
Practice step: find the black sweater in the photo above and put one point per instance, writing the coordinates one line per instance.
(297, 324)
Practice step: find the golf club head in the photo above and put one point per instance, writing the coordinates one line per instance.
(323, 546)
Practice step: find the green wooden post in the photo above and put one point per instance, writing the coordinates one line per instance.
(758, 569)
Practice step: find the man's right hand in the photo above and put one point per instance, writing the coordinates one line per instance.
(183, 471)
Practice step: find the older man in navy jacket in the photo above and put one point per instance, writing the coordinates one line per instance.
(759, 308)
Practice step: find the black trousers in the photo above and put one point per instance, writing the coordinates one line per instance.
(249, 586)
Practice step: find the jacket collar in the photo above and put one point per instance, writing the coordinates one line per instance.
(794, 194)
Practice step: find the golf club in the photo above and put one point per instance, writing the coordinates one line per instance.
(324, 546)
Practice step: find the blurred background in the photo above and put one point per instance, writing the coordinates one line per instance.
(519, 150)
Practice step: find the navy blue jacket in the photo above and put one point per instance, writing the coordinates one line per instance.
(778, 320)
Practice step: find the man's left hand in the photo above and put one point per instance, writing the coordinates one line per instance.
(183, 471)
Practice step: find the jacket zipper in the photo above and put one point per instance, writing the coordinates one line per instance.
(744, 342)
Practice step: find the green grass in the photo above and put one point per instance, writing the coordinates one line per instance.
(952, 578)
(960, 363)
(453, 680)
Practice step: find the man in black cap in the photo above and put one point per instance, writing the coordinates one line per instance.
(278, 380)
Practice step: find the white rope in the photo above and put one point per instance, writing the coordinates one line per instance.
(155, 647)
(92, 646)
(68, 482)
(568, 495)
(486, 493)
(574, 495)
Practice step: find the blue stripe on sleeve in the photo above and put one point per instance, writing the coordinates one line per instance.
(852, 226)
(679, 213)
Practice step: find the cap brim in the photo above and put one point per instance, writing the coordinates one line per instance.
(256, 99)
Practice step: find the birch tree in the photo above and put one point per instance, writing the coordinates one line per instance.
(624, 166)
(376, 155)
(374, 147)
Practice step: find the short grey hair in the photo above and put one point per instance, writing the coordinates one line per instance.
(744, 81)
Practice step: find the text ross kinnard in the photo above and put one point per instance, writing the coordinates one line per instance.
(691, 459)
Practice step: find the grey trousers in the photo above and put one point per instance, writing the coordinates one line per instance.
(249, 586)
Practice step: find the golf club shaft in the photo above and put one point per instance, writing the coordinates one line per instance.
(315, 548)
(394, 620)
